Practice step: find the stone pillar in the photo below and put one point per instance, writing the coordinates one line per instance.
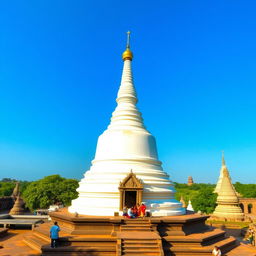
(245, 207)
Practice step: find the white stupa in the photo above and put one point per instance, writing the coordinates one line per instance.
(126, 169)
(190, 207)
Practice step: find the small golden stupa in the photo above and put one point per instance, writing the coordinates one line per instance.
(227, 200)
(183, 202)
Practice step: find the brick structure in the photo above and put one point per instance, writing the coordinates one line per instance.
(248, 205)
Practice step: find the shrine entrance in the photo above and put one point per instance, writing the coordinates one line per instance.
(131, 189)
(130, 198)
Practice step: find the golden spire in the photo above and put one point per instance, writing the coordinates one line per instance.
(127, 54)
(223, 159)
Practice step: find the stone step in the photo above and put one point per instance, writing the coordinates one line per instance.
(79, 250)
(139, 229)
(142, 252)
(137, 225)
(206, 238)
(136, 221)
(42, 235)
(139, 241)
(34, 242)
(225, 245)
(141, 247)
(242, 250)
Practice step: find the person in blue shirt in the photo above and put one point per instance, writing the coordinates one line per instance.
(54, 234)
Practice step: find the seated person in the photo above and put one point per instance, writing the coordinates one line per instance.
(125, 210)
(130, 213)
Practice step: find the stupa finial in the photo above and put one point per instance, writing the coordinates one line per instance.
(223, 159)
(128, 39)
(127, 54)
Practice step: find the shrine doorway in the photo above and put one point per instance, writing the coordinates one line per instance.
(130, 189)
(130, 198)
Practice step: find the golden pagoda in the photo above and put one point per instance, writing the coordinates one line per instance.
(17, 209)
(227, 200)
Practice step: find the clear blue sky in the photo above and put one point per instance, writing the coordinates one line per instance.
(194, 70)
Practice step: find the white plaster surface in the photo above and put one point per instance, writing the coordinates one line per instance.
(126, 145)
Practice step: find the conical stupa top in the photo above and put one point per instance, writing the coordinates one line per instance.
(126, 113)
(223, 168)
(227, 192)
(223, 159)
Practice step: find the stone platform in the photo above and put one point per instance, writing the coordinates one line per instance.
(116, 236)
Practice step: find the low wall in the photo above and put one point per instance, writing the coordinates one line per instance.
(6, 203)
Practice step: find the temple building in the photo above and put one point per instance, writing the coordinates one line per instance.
(227, 200)
(126, 169)
(190, 181)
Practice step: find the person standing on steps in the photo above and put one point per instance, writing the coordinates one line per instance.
(54, 234)
(216, 251)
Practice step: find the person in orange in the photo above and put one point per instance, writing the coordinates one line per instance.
(143, 210)
(138, 210)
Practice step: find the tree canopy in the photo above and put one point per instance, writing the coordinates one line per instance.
(50, 190)
(201, 195)
(7, 185)
(246, 190)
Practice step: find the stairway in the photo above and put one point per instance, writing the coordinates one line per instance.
(136, 225)
(137, 238)
(70, 245)
(198, 243)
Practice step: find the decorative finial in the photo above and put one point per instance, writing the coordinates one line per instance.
(128, 39)
(127, 54)
(223, 159)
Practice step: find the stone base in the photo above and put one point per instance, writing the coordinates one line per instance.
(116, 236)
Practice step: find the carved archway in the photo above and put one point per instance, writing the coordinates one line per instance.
(130, 186)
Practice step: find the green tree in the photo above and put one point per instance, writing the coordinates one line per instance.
(50, 190)
(205, 201)
(246, 190)
(6, 188)
(200, 194)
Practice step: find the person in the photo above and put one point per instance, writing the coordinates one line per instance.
(54, 234)
(250, 236)
(125, 209)
(253, 235)
(135, 210)
(130, 213)
(216, 251)
(142, 210)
